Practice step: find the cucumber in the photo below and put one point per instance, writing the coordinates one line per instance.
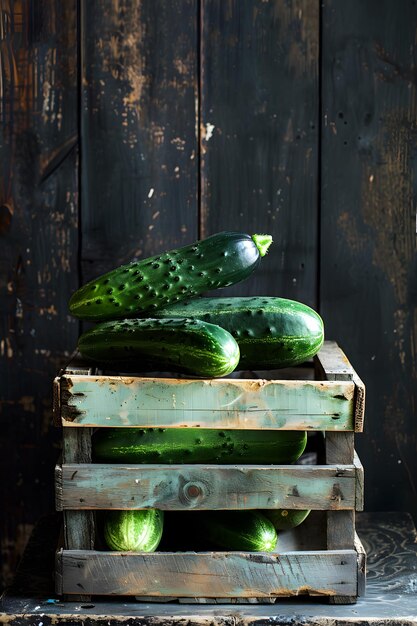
(181, 345)
(271, 332)
(239, 530)
(138, 531)
(284, 519)
(197, 445)
(144, 286)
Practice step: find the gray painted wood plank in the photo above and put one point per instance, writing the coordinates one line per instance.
(212, 403)
(216, 574)
(184, 487)
(259, 135)
(339, 447)
(390, 539)
(79, 526)
(361, 565)
(359, 489)
(333, 362)
(79, 529)
(340, 530)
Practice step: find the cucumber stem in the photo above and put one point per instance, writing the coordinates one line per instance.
(262, 243)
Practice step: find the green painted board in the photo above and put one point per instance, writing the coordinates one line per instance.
(215, 574)
(185, 487)
(120, 401)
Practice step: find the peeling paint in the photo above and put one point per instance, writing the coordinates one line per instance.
(209, 131)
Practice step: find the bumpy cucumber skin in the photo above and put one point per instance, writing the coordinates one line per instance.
(239, 530)
(144, 286)
(271, 332)
(197, 445)
(182, 345)
(284, 519)
(137, 531)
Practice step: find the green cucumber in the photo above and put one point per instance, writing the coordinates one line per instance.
(239, 530)
(284, 519)
(271, 332)
(138, 531)
(181, 345)
(144, 286)
(197, 445)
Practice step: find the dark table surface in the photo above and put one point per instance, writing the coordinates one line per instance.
(389, 539)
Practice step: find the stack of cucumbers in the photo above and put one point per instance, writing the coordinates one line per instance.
(151, 317)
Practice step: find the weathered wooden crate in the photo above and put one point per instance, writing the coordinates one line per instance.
(322, 557)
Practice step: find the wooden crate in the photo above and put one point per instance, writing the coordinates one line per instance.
(322, 557)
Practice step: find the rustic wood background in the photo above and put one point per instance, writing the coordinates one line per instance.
(133, 126)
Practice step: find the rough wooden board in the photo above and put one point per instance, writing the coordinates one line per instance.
(389, 539)
(213, 403)
(359, 489)
(140, 157)
(340, 530)
(183, 487)
(214, 574)
(368, 233)
(339, 447)
(333, 363)
(361, 566)
(259, 135)
(38, 250)
(79, 526)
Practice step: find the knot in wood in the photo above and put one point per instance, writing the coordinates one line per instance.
(193, 491)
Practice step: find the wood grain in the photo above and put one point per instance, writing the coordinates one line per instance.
(389, 538)
(259, 135)
(216, 574)
(184, 487)
(79, 526)
(368, 232)
(139, 145)
(38, 250)
(120, 401)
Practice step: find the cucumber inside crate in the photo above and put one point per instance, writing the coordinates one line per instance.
(306, 399)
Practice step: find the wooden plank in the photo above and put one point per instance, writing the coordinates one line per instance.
(360, 550)
(340, 530)
(368, 251)
(339, 447)
(216, 574)
(139, 146)
(333, 362)
(38, 249)
(211, 403)
(259, 135)
(183, 487)
(359, 489)
(79, 526)
(359, 403)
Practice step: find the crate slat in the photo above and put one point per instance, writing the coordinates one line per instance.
(183, 487)
(331, 363)
(110, 401)
(215, 574)
(79, 526)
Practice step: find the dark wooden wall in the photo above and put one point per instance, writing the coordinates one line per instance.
(133, 126)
